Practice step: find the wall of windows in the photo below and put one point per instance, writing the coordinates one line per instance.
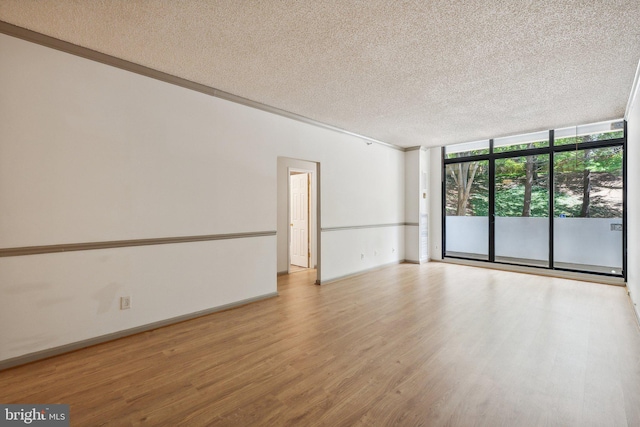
(552, 199)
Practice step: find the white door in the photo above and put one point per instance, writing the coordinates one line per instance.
(300, 219)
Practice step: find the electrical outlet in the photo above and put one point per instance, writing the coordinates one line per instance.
(125, 303)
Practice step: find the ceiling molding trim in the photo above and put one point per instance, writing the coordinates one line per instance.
(83, 52)
(416, 148)
(634, 92)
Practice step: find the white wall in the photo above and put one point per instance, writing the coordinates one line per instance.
(91, 153)
(416, 207)
(435, 203)
(412, 205)
(633, 197)
(54, 299)
(360, 249)
(354, 193)
(425, 196)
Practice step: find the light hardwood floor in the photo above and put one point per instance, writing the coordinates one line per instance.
(295, 268)
(435, 344)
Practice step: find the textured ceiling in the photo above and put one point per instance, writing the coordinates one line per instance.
(404, 72)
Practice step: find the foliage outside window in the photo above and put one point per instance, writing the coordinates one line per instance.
(588, 183)
(578, 170)
(467, 188)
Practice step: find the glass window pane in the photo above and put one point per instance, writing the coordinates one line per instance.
(467, 149)
(589, 133)
(522, 210)
(521, 142)
(467, 209)
(588, 210)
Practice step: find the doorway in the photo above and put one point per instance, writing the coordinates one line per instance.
(288, 167)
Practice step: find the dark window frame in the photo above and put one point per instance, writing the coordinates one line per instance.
(550, 150)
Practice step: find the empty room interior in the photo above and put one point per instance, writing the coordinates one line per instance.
(443, 227)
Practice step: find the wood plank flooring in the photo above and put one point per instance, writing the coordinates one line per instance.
(436, 345)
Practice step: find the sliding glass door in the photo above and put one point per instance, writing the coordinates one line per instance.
(522, 210)
(552, 199)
